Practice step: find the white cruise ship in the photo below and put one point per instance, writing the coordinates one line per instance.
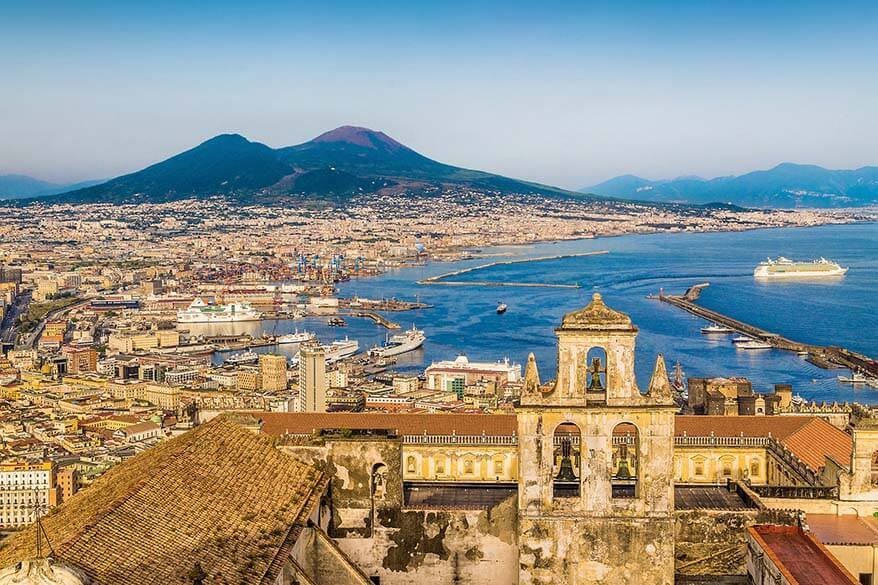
(201, 312)
(400, 343)
(784, 268)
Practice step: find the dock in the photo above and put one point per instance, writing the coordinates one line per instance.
(379, 319)
(822, 356)
(442, 279)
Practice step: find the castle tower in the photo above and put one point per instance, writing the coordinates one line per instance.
(595, 495)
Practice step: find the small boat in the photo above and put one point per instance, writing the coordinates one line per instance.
(240, 359)
(501, 308)
(754, 344)
(296, 337)
(337, 322)
(741, 339)
(857, 378)
(716, 328)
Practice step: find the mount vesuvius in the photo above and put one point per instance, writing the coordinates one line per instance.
(340, 163)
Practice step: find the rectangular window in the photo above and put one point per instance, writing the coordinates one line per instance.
(865, 578)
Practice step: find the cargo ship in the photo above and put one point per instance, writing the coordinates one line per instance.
(200, 312)
(784, 268)
(400, 343)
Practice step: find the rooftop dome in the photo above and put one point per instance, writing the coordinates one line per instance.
(597, 316)
(41, 572)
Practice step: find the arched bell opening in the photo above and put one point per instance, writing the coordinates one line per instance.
(566, 460)
(625, 473)
(596, 376)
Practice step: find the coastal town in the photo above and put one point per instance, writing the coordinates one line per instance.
(105, 353)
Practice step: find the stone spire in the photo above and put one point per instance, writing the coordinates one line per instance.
(659, 385)
(531, 375)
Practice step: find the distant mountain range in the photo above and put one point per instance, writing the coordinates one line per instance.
(786, 185)
(22, 186)
(338, 164)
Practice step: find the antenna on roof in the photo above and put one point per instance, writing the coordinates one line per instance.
(39, 508)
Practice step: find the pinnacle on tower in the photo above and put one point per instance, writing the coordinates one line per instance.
(531, 374)
(659, 384)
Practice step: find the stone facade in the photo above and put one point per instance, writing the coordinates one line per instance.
(579, 522)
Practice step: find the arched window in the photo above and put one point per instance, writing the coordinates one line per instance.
(875, 468)
(468, 466)
(566, 448)
(755, 468)
(698, 467)
(440, 466)
(596, 365)
(410, 464)
(625, 466)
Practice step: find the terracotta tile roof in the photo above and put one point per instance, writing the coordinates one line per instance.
(817, 440)
(801, 558)
(735, 426)
(811, 439)
(279, 423)
(851, 530)
(219, 494)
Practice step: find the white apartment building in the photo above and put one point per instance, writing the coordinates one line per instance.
(25, 487)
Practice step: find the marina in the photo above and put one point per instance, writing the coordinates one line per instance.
(762, 339)
(465, 319)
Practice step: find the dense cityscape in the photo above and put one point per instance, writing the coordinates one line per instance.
(446, 293)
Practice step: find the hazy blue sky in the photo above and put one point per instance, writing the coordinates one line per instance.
(568, 93)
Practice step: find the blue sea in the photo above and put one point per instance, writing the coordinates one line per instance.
(463, 319)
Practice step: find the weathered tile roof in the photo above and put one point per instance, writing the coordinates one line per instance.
(811, 439)
(280, 423)
(844, 530)
(800, 557)
(220, 495)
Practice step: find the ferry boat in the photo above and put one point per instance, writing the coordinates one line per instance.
(296, 337)
(200, 312)
(501, 308)
(341, 349)
(858, 378)
(716, 328)
(241, 359)
(784, 268)
(400, 343)
(753, 344)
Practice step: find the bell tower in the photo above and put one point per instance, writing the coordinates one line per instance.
(595, 494)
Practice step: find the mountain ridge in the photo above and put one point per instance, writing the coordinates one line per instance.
(337, 164)
(786, 185)
(18, 186)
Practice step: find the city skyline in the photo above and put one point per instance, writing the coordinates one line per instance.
(567, 96)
